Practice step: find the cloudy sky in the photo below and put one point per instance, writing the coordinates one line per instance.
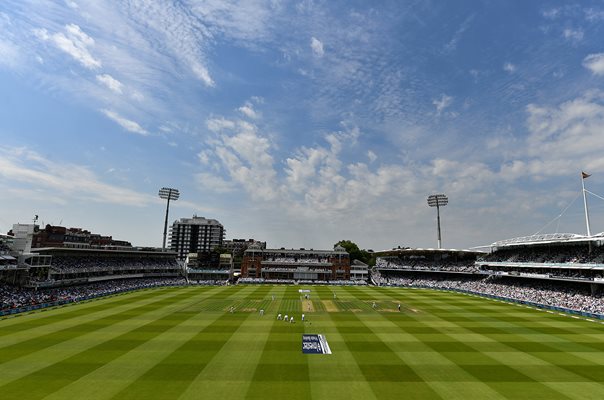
(303, 122)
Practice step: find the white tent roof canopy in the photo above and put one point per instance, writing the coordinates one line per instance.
(548, 238)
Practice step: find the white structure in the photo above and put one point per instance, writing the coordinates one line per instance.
(24, 236)
(359, 271)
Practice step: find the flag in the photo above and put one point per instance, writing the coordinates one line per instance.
(585, 175)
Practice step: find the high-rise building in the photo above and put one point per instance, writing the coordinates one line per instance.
(195, 235)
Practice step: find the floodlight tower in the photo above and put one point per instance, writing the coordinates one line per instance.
(167, 194)
(438, 201)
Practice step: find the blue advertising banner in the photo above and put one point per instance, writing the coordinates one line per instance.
(315, 344)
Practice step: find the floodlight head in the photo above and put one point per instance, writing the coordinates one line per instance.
(438, 200)
(169, 194)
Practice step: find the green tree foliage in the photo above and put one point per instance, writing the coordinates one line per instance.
(220, 250)
(355, 253)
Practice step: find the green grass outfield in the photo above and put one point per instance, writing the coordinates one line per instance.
(182, 343)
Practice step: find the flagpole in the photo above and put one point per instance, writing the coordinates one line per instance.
(585, 203)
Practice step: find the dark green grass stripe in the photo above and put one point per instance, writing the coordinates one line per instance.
(529, 327)
(50, 339)
(452, 330)
(43, 317)
(281, 373)
(488, 369)
(386, 373)
(229, 373)
(80, 311)
(170, 378)
(55, 376)
(59, 349)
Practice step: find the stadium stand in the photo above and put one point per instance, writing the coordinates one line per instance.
(557, 294)
(70, 266)
(555, 270)
(13, 298)
(289, 265)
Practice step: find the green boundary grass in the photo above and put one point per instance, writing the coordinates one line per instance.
(184, 343)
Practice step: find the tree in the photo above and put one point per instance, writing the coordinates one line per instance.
(354, 251)
(220, 250)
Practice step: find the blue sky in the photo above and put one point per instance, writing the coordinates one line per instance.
(305, 122)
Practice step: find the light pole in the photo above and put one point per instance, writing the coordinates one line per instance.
(167, 194)
(438, 200)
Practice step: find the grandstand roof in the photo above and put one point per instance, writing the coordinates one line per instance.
(132, 251)
(547, 238)
(296, 251)
(413, 250)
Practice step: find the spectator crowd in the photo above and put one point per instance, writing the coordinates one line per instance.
(467, 266)
(12, 297)
(571, 296)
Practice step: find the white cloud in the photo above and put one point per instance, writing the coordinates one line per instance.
(317, 47)
(509, 67)
(372, 156)
(592, 14)
(204, 157)
(567, 137)
(246, 156)
(552, 13)
(9, 53)
(74, 42)
(110, 82)
(248, 110)
(202, 73)
(442, 103)
(574, 35)
(24, 166)
(214, 183)
(125, 123)
(219, 124)
(595, 63)
(247, 21)
(452, 45)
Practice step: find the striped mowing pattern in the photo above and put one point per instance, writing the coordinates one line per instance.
(184, 343)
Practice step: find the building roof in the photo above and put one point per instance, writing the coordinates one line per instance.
(197, 221)
(294, 251)
(416, 250)
(71, 250)
(548, 238)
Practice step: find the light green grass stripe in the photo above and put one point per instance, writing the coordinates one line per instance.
(219, 379)
(426, 362)
(108, 380)
(171, 376)
(23, 366)
(522, 362)
(29, 346)
(45, 316)
(578, 390)
(526, 328)
(282, 370)
(82, 317)
(348, 379)
(381, 367)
